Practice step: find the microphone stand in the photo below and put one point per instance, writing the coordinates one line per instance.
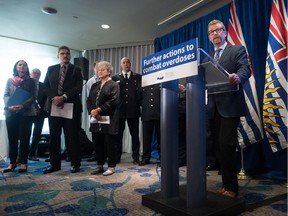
(242, 175)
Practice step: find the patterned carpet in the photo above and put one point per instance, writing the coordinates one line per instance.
(63, 193)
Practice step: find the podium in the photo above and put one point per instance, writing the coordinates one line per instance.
(191, 199)
(216, 78)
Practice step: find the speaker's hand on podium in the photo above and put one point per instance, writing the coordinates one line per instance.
(234, 79)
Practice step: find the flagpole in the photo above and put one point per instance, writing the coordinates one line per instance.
(242, 175)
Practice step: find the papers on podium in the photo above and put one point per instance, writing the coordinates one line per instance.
(19, 97)
(217, 78)
(65, 112)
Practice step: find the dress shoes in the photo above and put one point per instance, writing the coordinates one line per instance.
(51, 169)
(23, 168)
(10, 168)
(144, 162)
(220, 191)
(75, 169)
(109, 171)
(227, 193)
(33, 158)
(230, 194)
(98, 170)
(92, 159)
(136, 161)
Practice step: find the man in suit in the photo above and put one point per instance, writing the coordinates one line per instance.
(225, 109)
(63, 86)
(41, 114)
(150, 116)
(129, 106)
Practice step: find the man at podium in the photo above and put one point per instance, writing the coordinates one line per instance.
(226, 108)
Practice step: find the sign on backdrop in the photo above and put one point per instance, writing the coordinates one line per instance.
(173, 63)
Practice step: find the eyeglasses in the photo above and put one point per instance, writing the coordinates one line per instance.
(64, 53)
(218, 31)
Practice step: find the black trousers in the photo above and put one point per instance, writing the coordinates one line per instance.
(38, 122)
(182, 150)
(148, 128)
(133, 124)
(105, 146)
(19, 129)
(225, 134)
(71, 128)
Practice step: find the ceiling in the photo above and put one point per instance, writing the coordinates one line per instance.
(78, 22)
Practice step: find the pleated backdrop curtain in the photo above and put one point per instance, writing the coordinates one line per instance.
(114, 55)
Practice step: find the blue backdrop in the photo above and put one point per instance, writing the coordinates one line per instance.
(254, 17)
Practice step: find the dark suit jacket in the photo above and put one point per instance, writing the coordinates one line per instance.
(41, 100)
(108, 99)
(150, 102)
(232, 104)
(130, 95)
(72, 85)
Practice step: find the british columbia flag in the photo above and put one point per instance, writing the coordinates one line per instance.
(275, 90)
(250, 129)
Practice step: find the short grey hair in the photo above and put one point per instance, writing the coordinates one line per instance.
(107, 65)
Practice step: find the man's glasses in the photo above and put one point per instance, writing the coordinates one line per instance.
(64, 53)
(218, 31)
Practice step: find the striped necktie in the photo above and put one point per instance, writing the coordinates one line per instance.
(217, 55)
(61, 79)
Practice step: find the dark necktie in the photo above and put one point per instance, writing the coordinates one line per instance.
(126, 76)
(217, 55)
(61, 79)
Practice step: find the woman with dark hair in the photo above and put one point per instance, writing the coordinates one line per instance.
(19, 114)
(102, 103)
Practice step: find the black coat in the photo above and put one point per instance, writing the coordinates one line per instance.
(41, 102)
(108, 100)
(150, 101)
(130, 95)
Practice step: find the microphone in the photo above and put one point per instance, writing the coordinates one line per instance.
(205, 53)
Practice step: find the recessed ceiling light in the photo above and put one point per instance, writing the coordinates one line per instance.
(49, 10)
(105, 26)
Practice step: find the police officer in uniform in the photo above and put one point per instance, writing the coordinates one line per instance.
(150, 117)
(129, 106)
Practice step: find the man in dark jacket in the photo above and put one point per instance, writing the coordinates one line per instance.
(41, 114)
(225, 109)
(150, 116)
(129, 106)
(63, 86)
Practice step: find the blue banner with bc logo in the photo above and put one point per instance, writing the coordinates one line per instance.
(174, 63)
